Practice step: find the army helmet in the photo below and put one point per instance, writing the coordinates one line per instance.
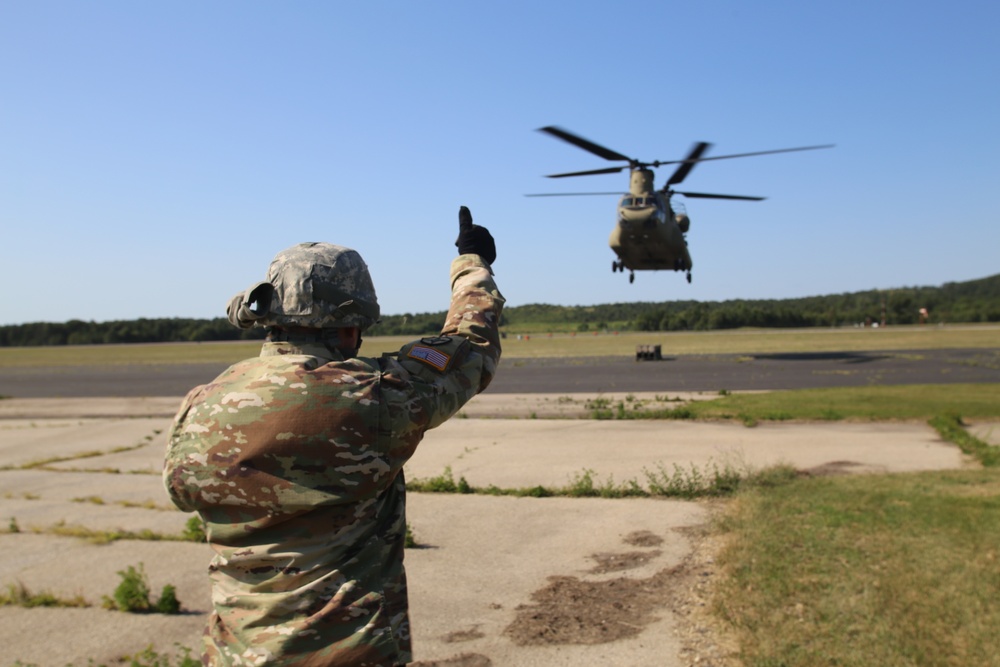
(314, 285)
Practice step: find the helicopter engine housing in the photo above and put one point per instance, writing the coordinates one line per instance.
(683, 221)
(641, 182)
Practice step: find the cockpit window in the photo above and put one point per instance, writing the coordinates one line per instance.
(638, 201)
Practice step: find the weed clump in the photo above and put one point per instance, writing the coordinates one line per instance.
(605, 411)
(585, 485)
(410, 541)
(168, 602)
(18, 595)
(693, 482)
(194, 530)
(711, 481)
(443, 483)
(132, 595)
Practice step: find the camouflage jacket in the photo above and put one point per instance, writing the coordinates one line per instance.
(294, 461)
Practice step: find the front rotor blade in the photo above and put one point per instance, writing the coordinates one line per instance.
(660, 163)
(572, 194)
(780, 150)
(705, 195)
(607, 170)
(688, 164)
(586, 145)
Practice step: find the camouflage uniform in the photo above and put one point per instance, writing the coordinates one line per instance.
(294, 460)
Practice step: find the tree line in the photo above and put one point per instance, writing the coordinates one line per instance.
(971, 301)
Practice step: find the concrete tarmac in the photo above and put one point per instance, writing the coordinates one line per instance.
(73, 467)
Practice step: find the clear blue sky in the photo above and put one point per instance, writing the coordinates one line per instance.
(154, 156)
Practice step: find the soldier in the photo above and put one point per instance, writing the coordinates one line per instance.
(294, 458)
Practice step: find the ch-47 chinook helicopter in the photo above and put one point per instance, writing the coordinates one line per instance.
(651, 231)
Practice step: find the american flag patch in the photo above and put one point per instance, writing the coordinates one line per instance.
(429, 355)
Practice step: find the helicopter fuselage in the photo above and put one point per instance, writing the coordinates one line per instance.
(649, 233)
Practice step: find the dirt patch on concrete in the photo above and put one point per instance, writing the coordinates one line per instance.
(643, 538)
(625, 561)
(573, 611)
(570, 610)
(463, 635)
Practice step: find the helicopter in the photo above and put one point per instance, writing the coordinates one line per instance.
(651, 230)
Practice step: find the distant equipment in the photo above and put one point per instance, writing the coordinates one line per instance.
(651, 231)
(648, 353)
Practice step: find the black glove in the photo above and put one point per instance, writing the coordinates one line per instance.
(474, 239)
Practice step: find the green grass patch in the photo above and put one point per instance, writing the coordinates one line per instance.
(887, 570)
(145, 505)
(710, 481)
(47, 463)
(872, 403)
(18, 595)
(127, 354)
(749, 341)
(103, 536)
(443, 483)
(951, 428)
(191, 533)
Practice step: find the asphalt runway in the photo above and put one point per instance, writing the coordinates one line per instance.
(573, 375)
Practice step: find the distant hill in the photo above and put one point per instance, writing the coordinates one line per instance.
(970, 301)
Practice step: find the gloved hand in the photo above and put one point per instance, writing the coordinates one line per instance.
(247, 308)
(474, 239)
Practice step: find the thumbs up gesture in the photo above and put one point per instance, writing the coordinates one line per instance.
(474, 239)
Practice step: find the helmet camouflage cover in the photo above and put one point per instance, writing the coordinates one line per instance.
(314, 285)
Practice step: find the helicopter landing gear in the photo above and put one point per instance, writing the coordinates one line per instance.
(618, 265)
(689, 277)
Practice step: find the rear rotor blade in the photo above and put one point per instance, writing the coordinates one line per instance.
(585, 144)
(688, 164)
(705, 195)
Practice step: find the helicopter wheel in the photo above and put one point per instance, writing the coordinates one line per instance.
(631, 278)
(689, 276)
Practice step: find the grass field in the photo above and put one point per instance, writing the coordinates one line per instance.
(755, 341)
(865, 403)
(738, 341)
(886, 570)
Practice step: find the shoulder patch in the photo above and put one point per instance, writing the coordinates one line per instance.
(429, 355)
(436, 340)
